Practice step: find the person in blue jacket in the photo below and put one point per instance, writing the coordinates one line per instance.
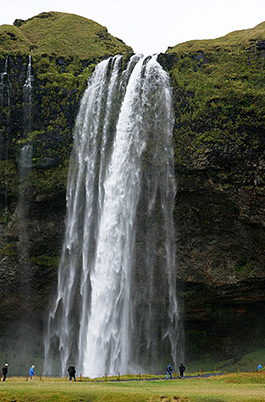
(31, 372)
(169, 371)
(259, 367)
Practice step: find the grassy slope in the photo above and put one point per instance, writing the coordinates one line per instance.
(12, 40)
(247, 363)
(231, 388)
(61, 34)
(236, 39)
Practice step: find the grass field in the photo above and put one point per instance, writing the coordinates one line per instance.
(228, 388)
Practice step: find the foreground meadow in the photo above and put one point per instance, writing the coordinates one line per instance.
(227, 388)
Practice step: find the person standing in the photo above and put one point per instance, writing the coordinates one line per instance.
(4, 371)
(182, 369)
(259, 367)
(169, 371)
(71, 371)
(31, 372)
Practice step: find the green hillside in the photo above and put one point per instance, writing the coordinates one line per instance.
(233, 41)
(61, 34)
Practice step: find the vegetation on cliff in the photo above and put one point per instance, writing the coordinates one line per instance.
(219, 88)
(219, 137)
(64, 49)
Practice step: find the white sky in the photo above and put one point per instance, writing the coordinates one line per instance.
(150, 26)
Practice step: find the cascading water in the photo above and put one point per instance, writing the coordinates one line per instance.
(27, 94)
(5, 96)
(24, 168)
(116, 308)
(5, 86)
(25, 164)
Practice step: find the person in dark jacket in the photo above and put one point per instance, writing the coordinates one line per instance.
(182, 368)
(169, 371)
(4, 371)
(71, 371)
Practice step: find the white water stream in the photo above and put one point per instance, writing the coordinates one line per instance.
(115, 308)
(27, 95)
(24, 168)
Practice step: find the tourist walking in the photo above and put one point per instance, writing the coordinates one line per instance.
(31, 372)
(71, 371)
(4, 371)
(182, 369)
(169, 371)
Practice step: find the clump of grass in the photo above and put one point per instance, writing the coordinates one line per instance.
(245, 378)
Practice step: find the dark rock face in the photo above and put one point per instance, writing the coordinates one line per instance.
(260, 45)
(220, 271)
(220, 218)
(32, 227)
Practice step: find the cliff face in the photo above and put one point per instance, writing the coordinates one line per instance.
(64, 51)
(218, 91)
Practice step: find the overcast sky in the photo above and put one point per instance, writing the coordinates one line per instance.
(150, 26)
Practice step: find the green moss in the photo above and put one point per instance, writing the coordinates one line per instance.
(46, 261)
(10, 250)
(13, 40)
(48, 182)
(245, 269)
(219, 90)
(8, 177)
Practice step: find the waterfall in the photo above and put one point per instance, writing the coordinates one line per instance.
(27, 94)
(5, 86)
(115, 308)
(24, 168)
(5, 111)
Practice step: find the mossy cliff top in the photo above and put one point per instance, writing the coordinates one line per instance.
(219, 90)
(61, 34)
(64, 50)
